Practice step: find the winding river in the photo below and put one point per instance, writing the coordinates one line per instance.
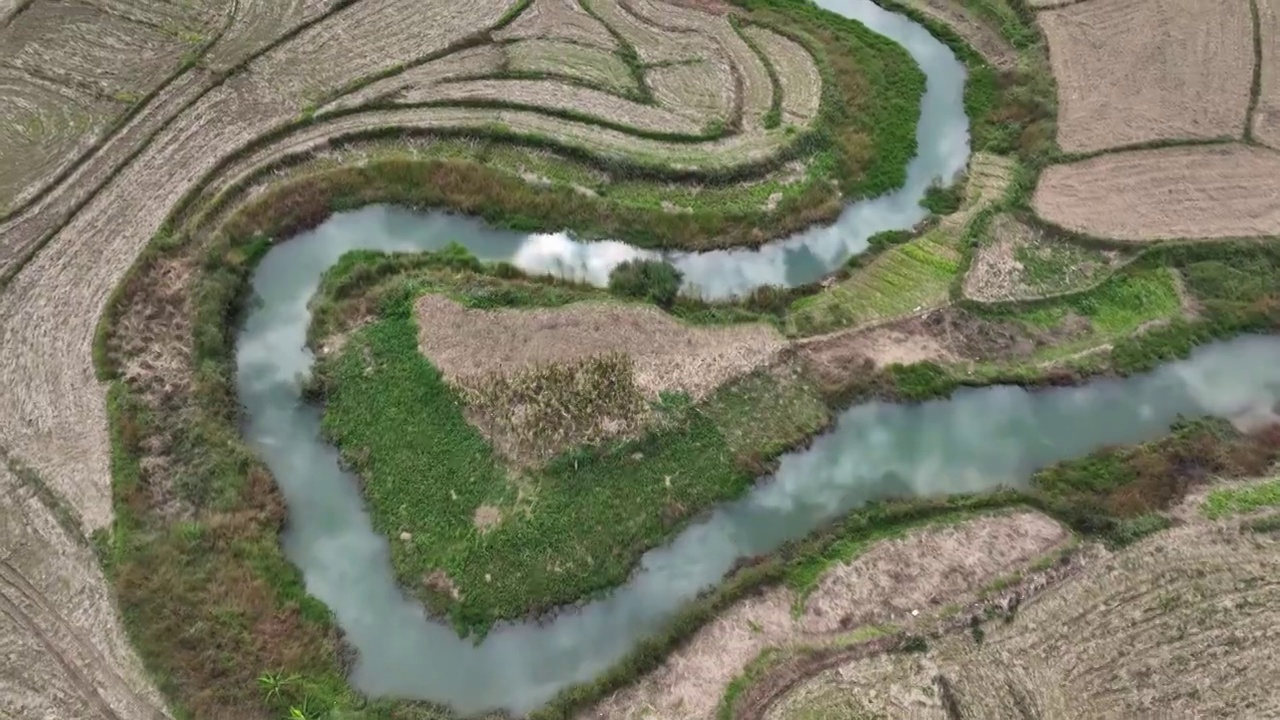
(975, 441)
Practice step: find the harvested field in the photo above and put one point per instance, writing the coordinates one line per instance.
(1266, 115)
(1018, 262)
(797, 73)
(94, 51)
(65, 655)
(421, 83)
(748, 77)
(70, 71)
(365, 38)
(558, 20)
(668, 355)
(1134, 72)
(1182, 624)
(1215, 191)
(257, 23)
(554, 95)
(43, 127)
(700, 92)
(922, 572)
(581, 62)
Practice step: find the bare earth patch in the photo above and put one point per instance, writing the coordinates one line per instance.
(1183, 624)
(1213, 191)
(988, 41)
(924, 570)
(668, 354)
(1142, 70)
(1266, 116)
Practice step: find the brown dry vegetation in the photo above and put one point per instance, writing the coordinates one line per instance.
(1266, 116)
(1179, 625)
(668, 355)
(1144, 70)
(65, 655)
(560, 20)
(797, 74)
(70, 71)
(921, 572)
(561, 57)
(1213, 191)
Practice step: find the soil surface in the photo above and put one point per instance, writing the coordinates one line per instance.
(1210, 191)
(921, 572)
(1143, 70)
(668, 354)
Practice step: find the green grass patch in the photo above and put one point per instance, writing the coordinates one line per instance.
(569, 529)
(903, 279)
(1222, 502)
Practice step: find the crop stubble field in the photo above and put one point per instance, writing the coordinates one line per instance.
(280, 82)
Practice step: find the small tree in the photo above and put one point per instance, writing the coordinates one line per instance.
(654, 280)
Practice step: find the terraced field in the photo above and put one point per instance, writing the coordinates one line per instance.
(1181, 623)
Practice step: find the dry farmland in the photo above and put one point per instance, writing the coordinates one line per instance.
(1134, 72)
(1266, 116)
(1213, 191)
(948, 564)
(1181, 625)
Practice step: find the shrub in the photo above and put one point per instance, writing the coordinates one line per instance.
(654, 280)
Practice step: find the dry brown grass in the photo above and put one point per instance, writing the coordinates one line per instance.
(70, 71)
(420, 83)
(555, 95)
(582, 62)
(1213, 191)
(559, 20)
(1133, 72)
(1180, 625)
(797, 72)
(750, 90)
(65, 655)
(1266, 116)
(668, 355)
(921, 572)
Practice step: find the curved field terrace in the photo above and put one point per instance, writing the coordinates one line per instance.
(373, 359)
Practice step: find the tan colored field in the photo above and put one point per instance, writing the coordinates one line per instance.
(1144, 70)
(1266, 116)
(559, 20)
(1181, 625)
(797, 73)
(69, 72)
(577, 61)
(64, 655)
(1213, 191)
(668, 354)
(921, 572)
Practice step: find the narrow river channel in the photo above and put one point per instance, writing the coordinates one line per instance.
(977, 440)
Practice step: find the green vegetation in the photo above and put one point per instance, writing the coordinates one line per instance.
(1237, 500)
(546, 538)
(654, 281)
